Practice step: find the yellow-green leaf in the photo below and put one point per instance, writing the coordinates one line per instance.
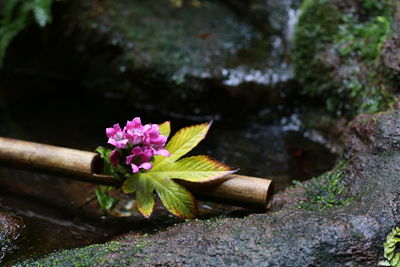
(165, 128)
(175, 198)
(129, 186)
(182, 142)
(193, 169)
(144, 196)
(395, 261)
(144, 192)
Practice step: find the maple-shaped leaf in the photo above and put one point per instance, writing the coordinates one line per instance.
(175, 198)
(144, 189)
(193, 169)
(182, 142)
(165, 128)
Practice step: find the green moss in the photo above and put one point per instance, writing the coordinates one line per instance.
(326, 190)
(93, 255)
(337, 59)
(315, 31)
(211, 223)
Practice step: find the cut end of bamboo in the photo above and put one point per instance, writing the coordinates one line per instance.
(270, 193)
(97, 164)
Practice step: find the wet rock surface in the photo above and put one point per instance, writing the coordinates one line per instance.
(391, 52)
(348, 235)
(159, 57)
(10, 229)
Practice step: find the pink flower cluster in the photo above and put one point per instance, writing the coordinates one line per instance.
(141, 141)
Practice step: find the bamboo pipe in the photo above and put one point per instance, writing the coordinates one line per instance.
(72, 163)
(87, 166)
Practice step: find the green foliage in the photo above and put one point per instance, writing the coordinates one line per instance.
(159, 178)
(392, 257)
(105, 154)
(181, 143)
(363, 40)
(315, 31)
(325, 191)
(165, 128)
(359, 43)
(15, 17)
(106, 202)
(175, 198)
(93, 255)
(177, 3)
(192, 169)
(337, 55)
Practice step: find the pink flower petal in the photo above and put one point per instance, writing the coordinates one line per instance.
(110, 132)
(146, 166)
(137, 150)
(121, 144)
(114, 157)
(112, 141)
(163, 152)
(128, 159)
(135, 168)
(117, 128)
(136, 123)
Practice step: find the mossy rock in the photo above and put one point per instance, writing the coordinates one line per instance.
(337, 54)
(315, 31)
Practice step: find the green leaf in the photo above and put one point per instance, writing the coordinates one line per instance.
(129, 185)
(384, 263)
(175, 198)
(106, 202)
(9, 26)
(15, 15)
(165, 128)
(42, 12)
(8, 10)
(389, 248)
(144, 188)
(182, 142)
(193, 169)
(105, 154)
(395, 260)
